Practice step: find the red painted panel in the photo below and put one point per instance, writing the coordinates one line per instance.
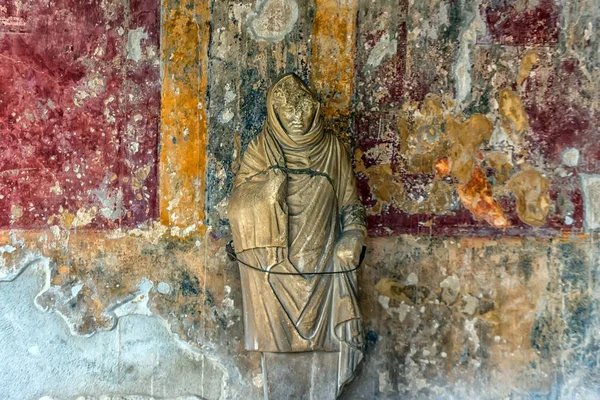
(79, 109)
(509, 25)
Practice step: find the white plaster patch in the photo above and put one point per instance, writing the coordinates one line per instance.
(451, 287)
(228, 304)
(174, 202)
(183, 233)
(55, 230)
(134, 39)
(96, 85)
(257, 380)
(226, 116)
(99, 52)
(75, 289)
(588, 31)
(500, 139)
(112, 203)
(229, 310)
(153, 235)
(385, 384)
(10, 270)
(163, 288)
(462, 67)
(470, 304)
(384, 301)
(229, 94)
(136, 304)
(84, 216)
(412, 279)
(402, 310)
(470, 328)
(272, 20)
(221, 208)
(570, 157)
(37, 342)
(560, 171)
(188, 230)
(385, 47)
(109, 117)
(56, 189)
(80, 97)
(241, 10)
(134, 147)
(7, 248)
(590, 186)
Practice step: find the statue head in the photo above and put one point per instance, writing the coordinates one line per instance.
(295, 105)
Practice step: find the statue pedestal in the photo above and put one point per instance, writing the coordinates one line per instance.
(300, 376)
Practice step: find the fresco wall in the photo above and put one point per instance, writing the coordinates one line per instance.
(79, 114)
(472, 127)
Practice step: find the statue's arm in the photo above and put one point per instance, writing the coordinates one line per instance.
(353, 217)
(352, 211)
(354, 227)
(252, 164)
(353, 222)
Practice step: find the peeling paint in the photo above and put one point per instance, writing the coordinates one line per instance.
(467, 39)
(134, 45)
(590, 185)
(570, 157)
(136, 346)
(471, 126)
(272, 19)
(385, 47)
(63, 102)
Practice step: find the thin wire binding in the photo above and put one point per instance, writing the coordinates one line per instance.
(229, 249)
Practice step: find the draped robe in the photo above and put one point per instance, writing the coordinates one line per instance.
(293, 197)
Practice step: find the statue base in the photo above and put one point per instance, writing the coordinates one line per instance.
(300, 376)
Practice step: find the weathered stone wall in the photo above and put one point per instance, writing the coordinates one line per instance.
(472, 126)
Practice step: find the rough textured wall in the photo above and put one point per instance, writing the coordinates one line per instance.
(480, 318)
(472, 126)
(79, 87)
(490, 123)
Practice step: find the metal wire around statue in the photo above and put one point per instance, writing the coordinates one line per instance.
(230, 250)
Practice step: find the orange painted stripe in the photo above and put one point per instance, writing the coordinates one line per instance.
(184, 43)
(333, 53)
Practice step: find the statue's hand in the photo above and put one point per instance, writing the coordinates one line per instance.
(349, 247)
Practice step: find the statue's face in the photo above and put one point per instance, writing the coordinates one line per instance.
(295, 107)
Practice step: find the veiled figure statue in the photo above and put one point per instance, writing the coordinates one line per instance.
(298, 230)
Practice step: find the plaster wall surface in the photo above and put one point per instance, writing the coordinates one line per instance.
(472, 129)
(41, 357)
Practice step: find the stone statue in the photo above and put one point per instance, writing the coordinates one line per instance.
(298, 230)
